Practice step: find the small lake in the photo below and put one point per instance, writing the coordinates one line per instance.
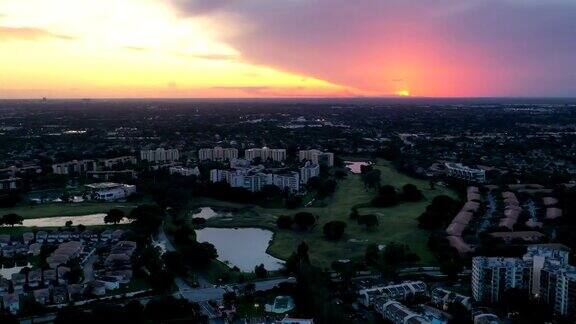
(355, 166)
(60, 221)
(6, 272)
(242, 247)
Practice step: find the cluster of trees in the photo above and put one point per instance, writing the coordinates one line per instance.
(191, 253)
(11, 219)
(370, 220)
(371, 177)
(114, 216)
(388, 195)
(150, 259)
(334, 230)
(303, 220)
(159, 310)
(323, 187)
(439, 213)
(146, 219)
(390, 258)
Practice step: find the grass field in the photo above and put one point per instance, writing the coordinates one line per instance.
(66, 209)
(397, 224)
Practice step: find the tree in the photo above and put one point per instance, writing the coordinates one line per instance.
(147, 219)
(387, 196)
(371, 178)
(354, 215)
(293, 202)
(229, 298)
(370, 221)
(439, 213)
(260, 271)
(199, 255)
(284, 222)
(304, 220)
(12, 219)
(68, 224)
(174, 261)
(396, 254)
(334, 230)
(371, 254)
(411, 193)
(114, 216)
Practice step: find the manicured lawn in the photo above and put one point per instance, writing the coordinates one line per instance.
(397, 224)
(66, 209)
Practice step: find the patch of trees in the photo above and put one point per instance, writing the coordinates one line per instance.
(260, 271)
(195, 255)
(323, 187)
(159, 310)
(388, 195)
(370, 221)
(149, 261)
(390, 258)
(146, 219)
(10, 199)
(11, 219)
(303, 220)
(114, 216)
(439, 213)
(334, 230)
(371, 177)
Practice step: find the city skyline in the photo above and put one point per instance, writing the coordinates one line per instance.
(295, 48)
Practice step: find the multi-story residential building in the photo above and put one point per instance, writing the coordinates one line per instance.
(443, 298)
(186, 172)
(317, 157)
(265, 154)
(218, 154)
(10, 184)
(397, 313)
(110, 175)
(118, 161)
(458, 170)
(404, 291)
(492, 276)
(308, 171)
(254, 179)
(75, 167)
(160, 155)
(558, 288)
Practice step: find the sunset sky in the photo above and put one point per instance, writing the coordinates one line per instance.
(286, 48)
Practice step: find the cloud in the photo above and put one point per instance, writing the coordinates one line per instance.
(137, 48)
(209, 56)
(28, 33)
(445, 47)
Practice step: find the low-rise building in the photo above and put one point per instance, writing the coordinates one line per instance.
(186, 172)
(109, 191)
(458, 170)
(404, 291)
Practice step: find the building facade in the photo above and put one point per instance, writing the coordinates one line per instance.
(254, 180)
(186, 172)
(265, 154)
(160, 155)
(309, 171)
(75, 167)
(458, 170)
(317, 157)
(217, 154)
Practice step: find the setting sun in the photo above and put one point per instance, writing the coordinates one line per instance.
(403, 93)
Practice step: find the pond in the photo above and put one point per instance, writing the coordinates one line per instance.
(242, 247)
(6, 272)
(87, 220)
(356, 166)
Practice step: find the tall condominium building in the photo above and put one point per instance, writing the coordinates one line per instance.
(117, 161)
(160, 155)
(458, 170)
(492, 276)
(265, 154)
(558, 288)
(254, 179)
(75, 167)
(308, 171)
(217, 154)
(317, 157)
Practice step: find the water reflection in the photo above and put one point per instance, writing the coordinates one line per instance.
(243, 247)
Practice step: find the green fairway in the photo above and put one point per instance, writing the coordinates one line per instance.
(66, 209)
(397, 224)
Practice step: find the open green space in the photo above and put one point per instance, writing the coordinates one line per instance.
(66, 209)
(397, 224)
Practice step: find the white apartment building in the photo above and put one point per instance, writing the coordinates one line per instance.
(492, 276)
(397, 313)
(10, 184)
(403, 291)
(160, 155)
(253, 179)
(217, 154)
(74, 167)
(186, 172)
(121, 160)
(308, 171)
(558, 288)
(265, 154)
(458, 170)
(317, 157)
